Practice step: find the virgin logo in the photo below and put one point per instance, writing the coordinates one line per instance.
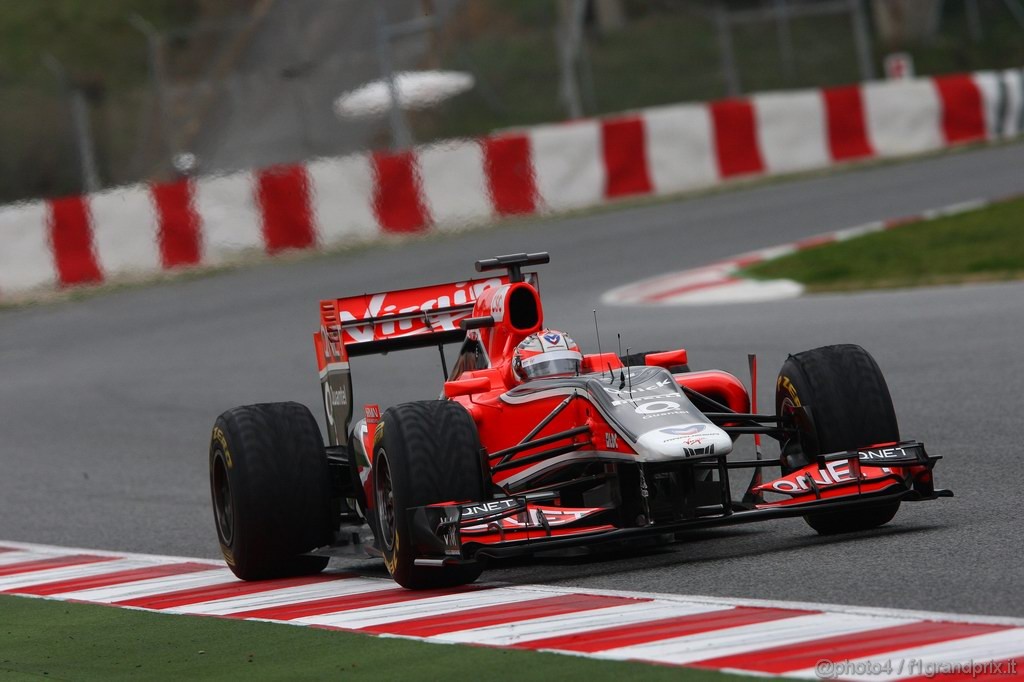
(405, 307)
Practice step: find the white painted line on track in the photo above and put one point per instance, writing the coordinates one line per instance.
(33, 578)
(288, 595)
(359, 619)
(54, 550)
(149, 588)
(19, 557)
(795, 605)
(907, 663)
(573, 623)
(748, 638)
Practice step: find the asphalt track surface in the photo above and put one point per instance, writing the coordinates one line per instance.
(106, 403)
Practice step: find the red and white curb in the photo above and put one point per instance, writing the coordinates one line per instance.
(722, 282)
(754, 637)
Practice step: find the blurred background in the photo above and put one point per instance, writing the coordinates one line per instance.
(103, 93)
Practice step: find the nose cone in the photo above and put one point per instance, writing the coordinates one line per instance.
(682, 441)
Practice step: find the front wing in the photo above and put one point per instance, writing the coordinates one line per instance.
(461, 532)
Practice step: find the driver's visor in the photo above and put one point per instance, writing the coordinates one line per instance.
(552, 363)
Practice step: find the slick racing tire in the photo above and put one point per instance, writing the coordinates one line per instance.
(424, 452)
(269, 483)
(850, 407)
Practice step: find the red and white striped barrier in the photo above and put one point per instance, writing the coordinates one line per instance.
(149, 229)
(753, 637)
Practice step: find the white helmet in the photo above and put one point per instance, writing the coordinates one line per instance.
(548, 353)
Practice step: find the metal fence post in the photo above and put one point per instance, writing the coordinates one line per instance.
(785, 36)
(154, 51)
(862, 38)
(729, 70)
(1016, 10)
(401, 137)
(974, 20)
(81, 124)
(569, 37)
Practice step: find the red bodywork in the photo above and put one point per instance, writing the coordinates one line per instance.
(499, 314)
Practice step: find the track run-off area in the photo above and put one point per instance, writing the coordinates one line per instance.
(106, 402)
(754, 637)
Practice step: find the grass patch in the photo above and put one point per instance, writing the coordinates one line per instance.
(981, 245)
(58, 640)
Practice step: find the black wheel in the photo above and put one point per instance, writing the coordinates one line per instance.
(270, 487)
(634, 359)
(850, 406)
(424, 452)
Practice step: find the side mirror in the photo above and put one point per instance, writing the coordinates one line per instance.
(459, 387)
(668, 359)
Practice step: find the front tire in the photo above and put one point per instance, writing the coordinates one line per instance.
(269, 483)
(424, 452)
(851, 408)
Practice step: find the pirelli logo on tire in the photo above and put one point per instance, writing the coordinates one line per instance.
(786, 385)
(222, 441)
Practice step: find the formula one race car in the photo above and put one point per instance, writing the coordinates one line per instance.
(534, 446)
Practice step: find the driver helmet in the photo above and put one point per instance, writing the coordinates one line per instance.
(548, 353)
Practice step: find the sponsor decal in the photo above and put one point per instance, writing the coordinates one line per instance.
(638, 398)
(833, 473)
(339, 397)
(785, 384)
(531, 518)
(688, 430)
(333, 399)
(884, 453)
(373, 423)
(658, 406)
(706, 450)
(611, 440)
(656, 409)
(391, 558)
(553, 339)
(659, 415)
(498, 304)
(686, 435)
(222, 441)
(472, 511)
(450, 536)
(332, 350)
(400, 303)
(654, 387)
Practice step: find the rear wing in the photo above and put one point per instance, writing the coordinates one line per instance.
(403, 319)
(380, 323)
(421, 317)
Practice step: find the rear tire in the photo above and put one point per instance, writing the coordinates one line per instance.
(269, 484)
(424, 452)
(851, 408)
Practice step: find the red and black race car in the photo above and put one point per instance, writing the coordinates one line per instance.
(507, 463)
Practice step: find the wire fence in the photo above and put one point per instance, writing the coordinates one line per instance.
(259, 88)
